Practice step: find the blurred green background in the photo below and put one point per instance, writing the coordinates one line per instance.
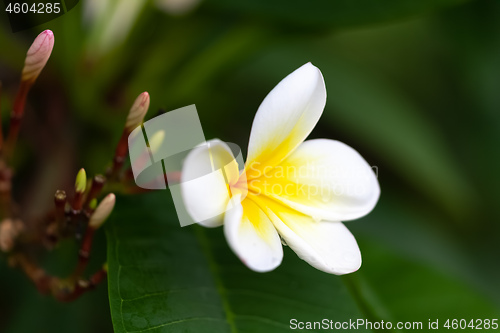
(413, 85)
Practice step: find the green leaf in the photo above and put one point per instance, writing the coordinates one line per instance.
(401, 233)
(328, 13)
(164, 278)
(415, 291)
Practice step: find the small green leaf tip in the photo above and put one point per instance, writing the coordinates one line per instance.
(93, 204)
(81, 181)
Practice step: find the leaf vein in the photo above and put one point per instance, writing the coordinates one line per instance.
(180, 321)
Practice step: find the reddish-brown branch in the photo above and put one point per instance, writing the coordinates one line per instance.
(16, 117)
(36, 274)
(120, 155)
(5, 189)
(77, 203)
(60, 214)
(1, 131)
(84, 252)
(64, 290)
(80, 287)
(95, 189)
(98, 277)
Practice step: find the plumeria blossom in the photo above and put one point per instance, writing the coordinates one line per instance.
(291, 191)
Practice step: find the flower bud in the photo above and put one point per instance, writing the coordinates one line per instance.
(60, 196)
(93, 204)
(37, 56)
(137, 112)
(81, 181)
(156, 141)
(102, 211)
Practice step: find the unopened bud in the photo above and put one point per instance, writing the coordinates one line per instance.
(93, 204)
(102, 211)
(156, 141)
(37, 56)
(60, 196)
(137, 112)
(81, 181)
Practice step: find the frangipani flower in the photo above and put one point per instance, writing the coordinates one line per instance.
(290, 189)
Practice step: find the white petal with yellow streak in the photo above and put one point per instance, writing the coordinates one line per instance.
(252, 236)
(325, 179)
(285, 118)
(207, 172)
(326, 245)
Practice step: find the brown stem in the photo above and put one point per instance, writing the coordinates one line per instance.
(98, 277)
(1, 131)
(120, 155)
(128, 175)
(80, 287)
(60, 202)
(5, 189)
(95, 189)
(64, 290)
(171, 178)
(16, 117)
(77, 203)
(84, 253)
(36, 274)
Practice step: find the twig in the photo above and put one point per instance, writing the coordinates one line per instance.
(16, 117)
(60, 202)
(35, 61)
(95, 189)
(134, 119)
(1, 131)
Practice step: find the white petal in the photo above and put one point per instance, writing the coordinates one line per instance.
(252, 236)
(325, 179)
(285, 118)
(206, 174)
(327, 246)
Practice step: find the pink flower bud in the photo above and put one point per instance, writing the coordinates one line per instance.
(137, 112)
(37, 56)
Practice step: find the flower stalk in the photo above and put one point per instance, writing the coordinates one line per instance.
(60, 199)
(36, 59)
(95, 189)
(19, 239)
(1, 131)
(135, 118)
(97, 219)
